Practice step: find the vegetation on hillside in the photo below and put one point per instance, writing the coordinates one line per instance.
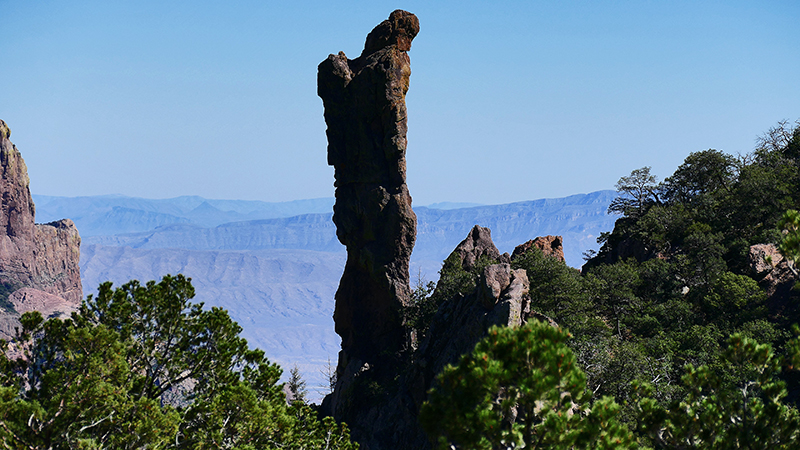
(142, 367)
(668, 319)
(523, 388)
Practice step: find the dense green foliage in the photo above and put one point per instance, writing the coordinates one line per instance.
(142, 367)
(672, 281)
(521, 387)
(711, 209)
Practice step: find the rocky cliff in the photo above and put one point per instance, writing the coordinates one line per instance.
(38, 262)
(549, 245)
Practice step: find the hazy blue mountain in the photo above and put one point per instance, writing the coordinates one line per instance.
(578, 218)
(120, 219)
(306, 232)
(452, 205)
(102, 215)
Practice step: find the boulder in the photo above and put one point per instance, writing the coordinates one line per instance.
(777, 277)
(764, 259)
(504, 291)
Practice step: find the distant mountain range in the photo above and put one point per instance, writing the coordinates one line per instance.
(276, 266)
(114, 214)
(196, 223)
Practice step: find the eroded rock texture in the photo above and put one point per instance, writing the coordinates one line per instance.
(549, 245)
(500, 298)
(382, 408)
(38, 262)
(365, 111)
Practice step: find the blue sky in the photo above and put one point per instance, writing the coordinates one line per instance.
(509, 101)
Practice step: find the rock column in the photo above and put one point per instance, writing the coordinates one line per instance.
(365, 111)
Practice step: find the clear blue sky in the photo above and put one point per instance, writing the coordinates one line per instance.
(509, 100)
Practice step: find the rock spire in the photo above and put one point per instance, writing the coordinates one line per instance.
(365, 111)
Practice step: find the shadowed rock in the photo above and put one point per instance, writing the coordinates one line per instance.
(365, 112)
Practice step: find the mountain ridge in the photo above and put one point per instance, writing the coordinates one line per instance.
(579, 218)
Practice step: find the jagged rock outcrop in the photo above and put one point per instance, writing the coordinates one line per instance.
(765, 260)
(384, 416)
(500, 298)
(365, 111)
(549, 245)
(501, 289)
(383, 408)
(38, 262)
(478, 244)
(58, 254)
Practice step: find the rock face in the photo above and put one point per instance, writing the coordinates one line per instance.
(38, 263)
(776, 276)
(382, 407)
(500, 298)
(365, 111)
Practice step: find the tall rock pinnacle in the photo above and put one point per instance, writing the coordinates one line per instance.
(365, 111)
